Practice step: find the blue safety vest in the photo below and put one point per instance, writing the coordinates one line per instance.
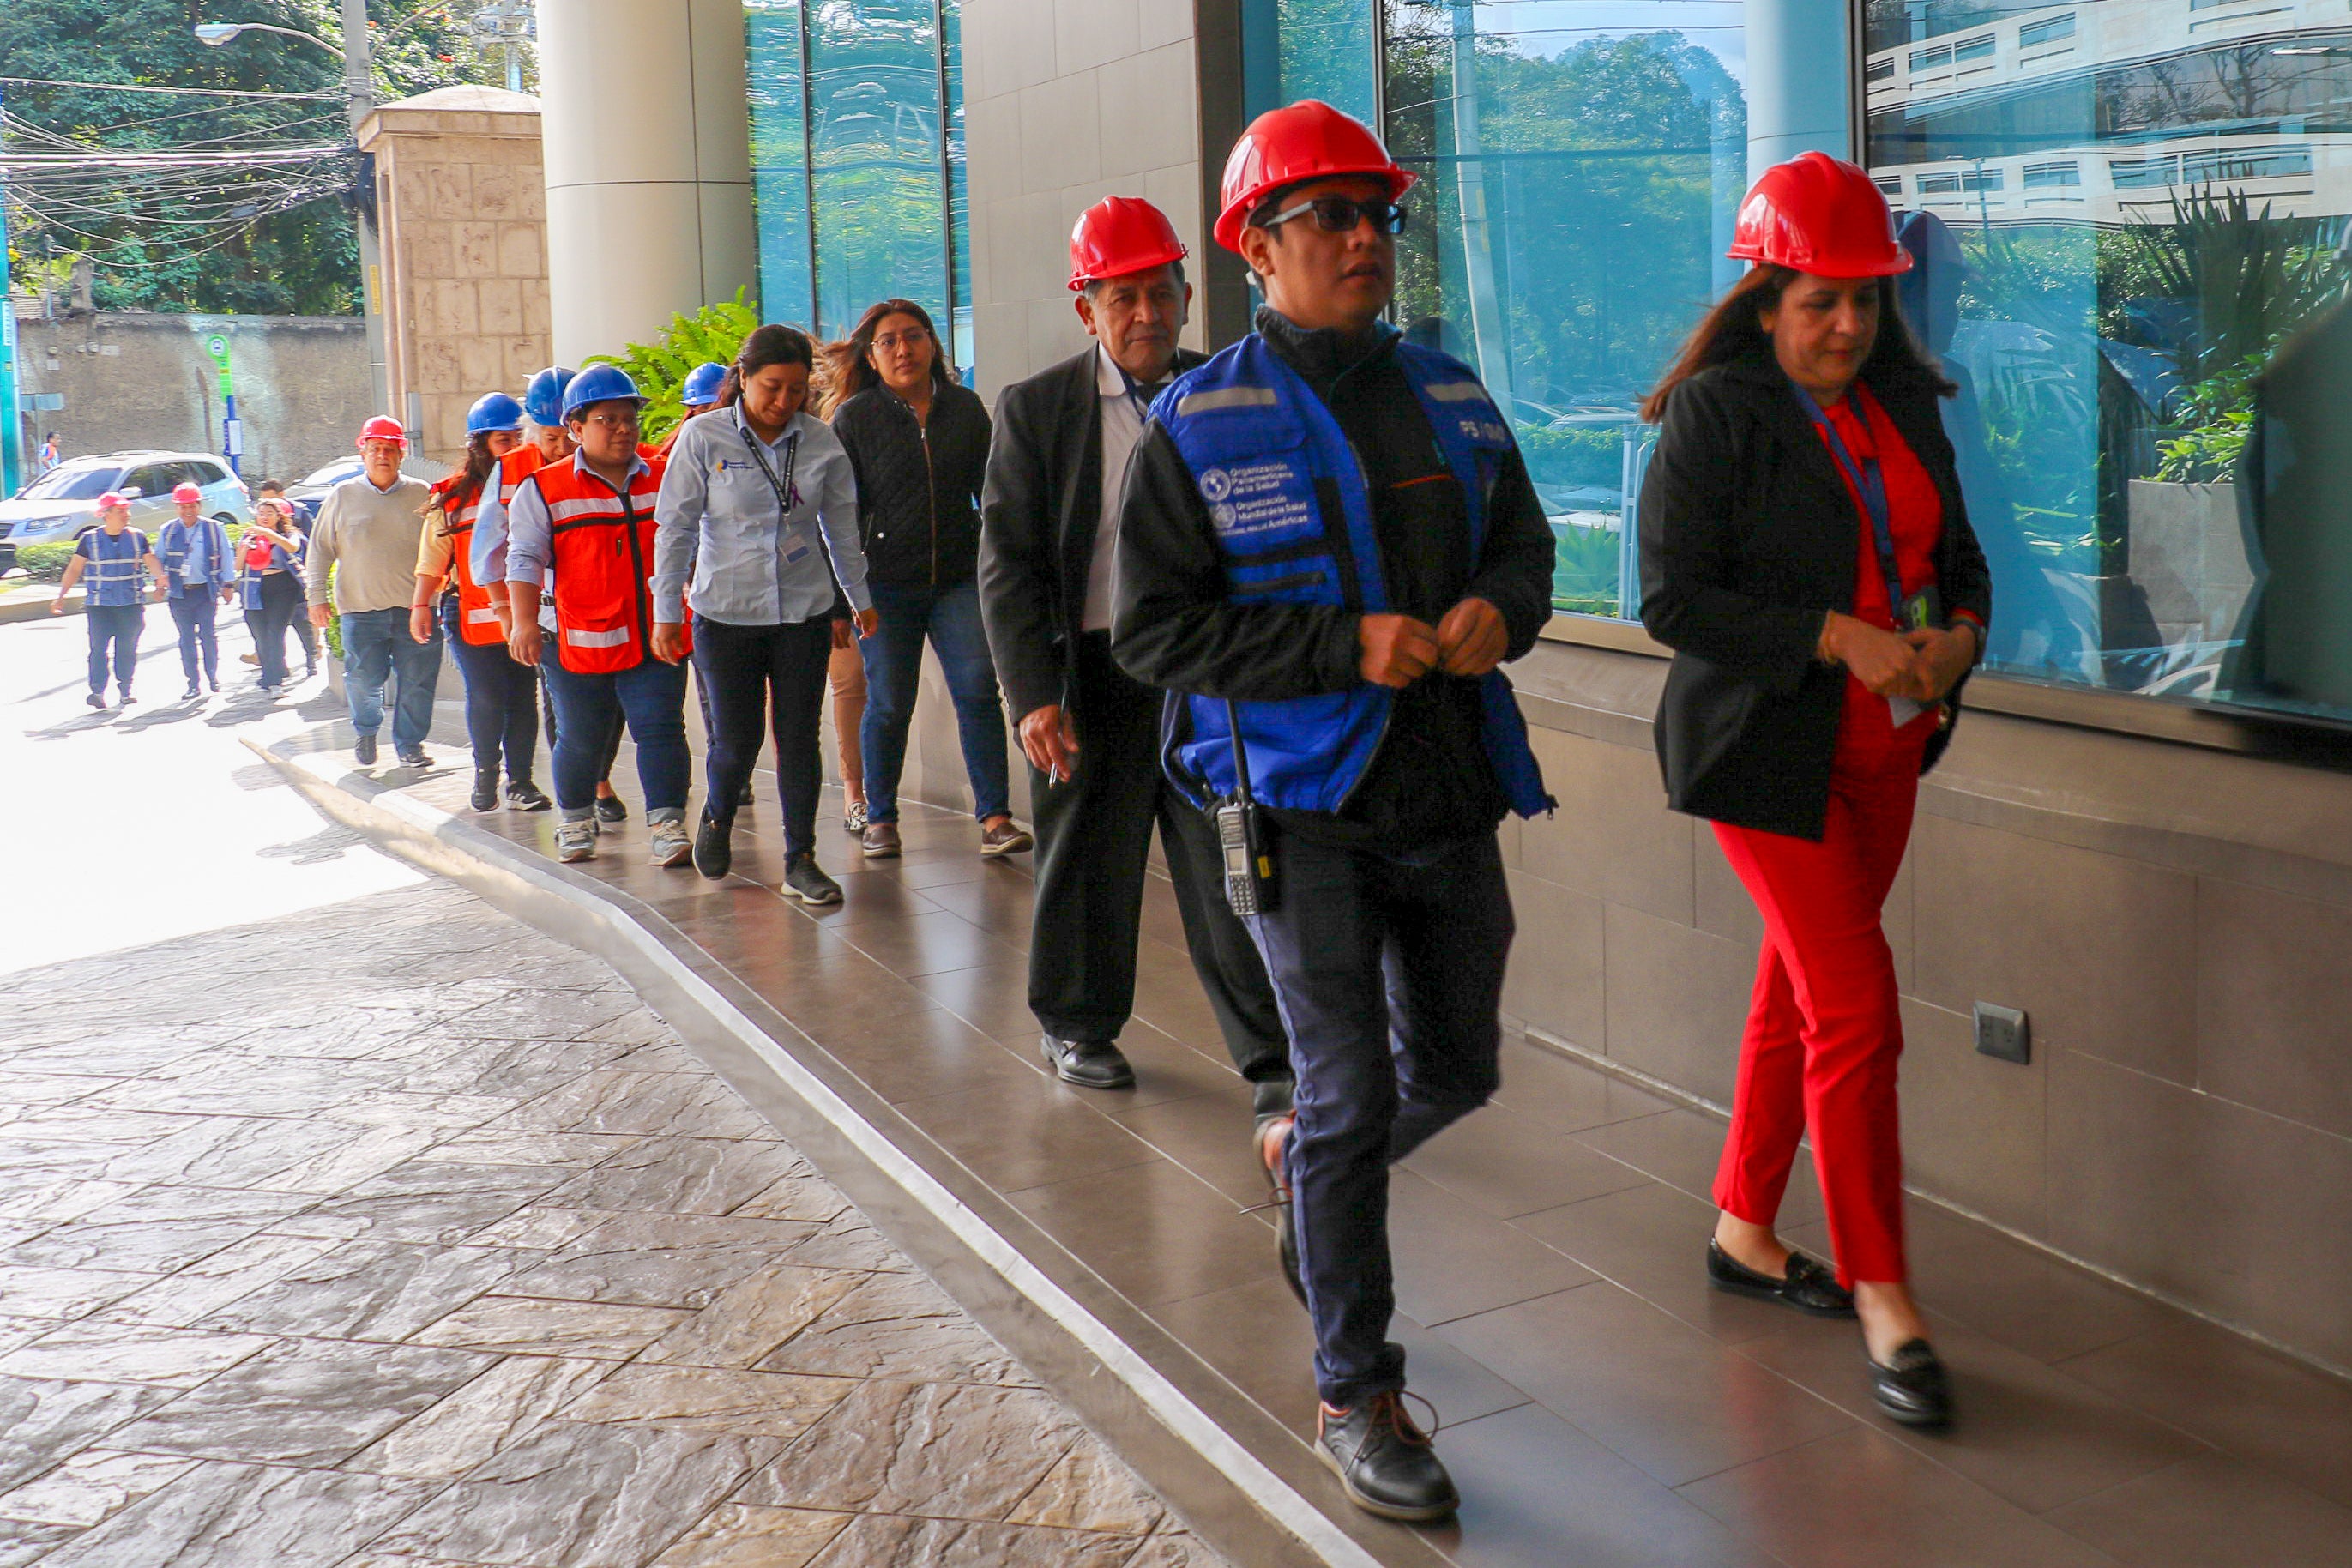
(173, 545)
(114, 567)
(1267, 457)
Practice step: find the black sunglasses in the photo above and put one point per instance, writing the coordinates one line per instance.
(1340, 214)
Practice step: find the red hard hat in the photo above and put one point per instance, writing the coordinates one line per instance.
(1308, 139)
(383, 427)
(1818, 215)
(1120, 235)
(186, 492)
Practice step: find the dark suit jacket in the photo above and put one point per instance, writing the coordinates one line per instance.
(1038, 512)
(1748, 540)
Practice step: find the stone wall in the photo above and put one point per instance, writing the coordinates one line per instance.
(132, 379)
(463, 206)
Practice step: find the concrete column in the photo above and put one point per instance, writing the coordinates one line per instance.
(1800, 80)
(648, 166)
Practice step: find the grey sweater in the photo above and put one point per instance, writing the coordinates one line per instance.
(371, 535)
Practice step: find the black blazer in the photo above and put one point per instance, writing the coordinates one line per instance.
(1039, 509)
(1747, 541)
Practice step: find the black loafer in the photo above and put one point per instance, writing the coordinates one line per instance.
(1809, 1286)
(1274, 1153)
(1384, 1461)
(1089, 1064)
(714, 848)
(611, 808)
(1912, 1388)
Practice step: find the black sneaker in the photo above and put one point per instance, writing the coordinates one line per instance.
(807, 883)
(714, 846)
(190, 694)
(125, 701)
(486, 790)
(612, 809)
(1274, 1153)
(1808, 1284)
(414, 757)
(363, 751)
(1089, 1064)
(96, 700)
(1384, 1461)
(743, 796)
(524, 796)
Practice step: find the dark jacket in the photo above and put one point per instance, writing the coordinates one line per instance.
(1174, 627)
(1748, 538)
(1039, 513)
(918, 484)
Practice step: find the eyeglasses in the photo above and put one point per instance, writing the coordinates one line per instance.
(890, 342)
(613, 421)
(1340, 215)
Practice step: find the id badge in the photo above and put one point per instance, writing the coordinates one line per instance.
(1920, 611)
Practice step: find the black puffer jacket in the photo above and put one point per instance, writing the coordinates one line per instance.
(918, 484)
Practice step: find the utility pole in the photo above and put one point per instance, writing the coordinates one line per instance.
(11, 418)
(359, 94)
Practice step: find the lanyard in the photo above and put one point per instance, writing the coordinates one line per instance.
(788, 495)
(1872, 488)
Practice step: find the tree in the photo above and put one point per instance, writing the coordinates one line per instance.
(197, 251)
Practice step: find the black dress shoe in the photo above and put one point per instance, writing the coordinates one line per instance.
(1089, 1064)
(714, 846)
(1809, 1286)
(1384, 1461)
(363, 751)
(612, 809)
(1274, 1153)
(1912, 1388)
(486, 790)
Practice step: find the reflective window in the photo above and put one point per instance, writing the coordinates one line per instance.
(2132, 260)
(858, 175)
(1580, 166)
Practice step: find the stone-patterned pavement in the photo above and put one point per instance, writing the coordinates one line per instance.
(392, 1235)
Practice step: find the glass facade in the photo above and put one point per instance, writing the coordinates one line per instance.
(2130, 219)
(856, 113)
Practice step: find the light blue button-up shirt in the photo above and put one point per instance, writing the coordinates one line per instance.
(530, 530)
(754, 562)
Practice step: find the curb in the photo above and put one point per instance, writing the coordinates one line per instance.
(1239, 1478)
(35, 607)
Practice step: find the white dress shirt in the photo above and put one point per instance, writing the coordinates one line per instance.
(1124, 413)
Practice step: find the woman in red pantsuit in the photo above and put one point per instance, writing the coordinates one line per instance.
(1806, 552)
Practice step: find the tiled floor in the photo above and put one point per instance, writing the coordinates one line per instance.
(393, 1233)
(1601, 1406)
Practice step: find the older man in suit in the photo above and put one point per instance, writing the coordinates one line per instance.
(1048, 517)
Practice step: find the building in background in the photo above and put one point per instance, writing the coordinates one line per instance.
(2130, 216)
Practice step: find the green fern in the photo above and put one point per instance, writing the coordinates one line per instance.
(715, 332)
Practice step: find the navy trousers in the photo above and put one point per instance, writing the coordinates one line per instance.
(1389, 972)
(113, 638)
(501, 700)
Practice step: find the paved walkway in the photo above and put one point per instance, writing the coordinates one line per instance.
(324, 1240)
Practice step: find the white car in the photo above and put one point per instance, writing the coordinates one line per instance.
(56, 507)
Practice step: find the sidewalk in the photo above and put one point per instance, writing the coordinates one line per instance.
(1600, 1405)
(393, 1233)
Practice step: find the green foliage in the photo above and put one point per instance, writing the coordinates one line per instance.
(1584, 569)
(2247, 279)
(1573, 458)
(659, 368)
(301, 261)
(44, 563)
(2220, 412)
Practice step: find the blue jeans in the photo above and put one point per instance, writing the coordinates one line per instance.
(114, 630)
(376, 648)
(894, 669)
(652, 696)
(501, 700)
(196, 614)
(1389, 973)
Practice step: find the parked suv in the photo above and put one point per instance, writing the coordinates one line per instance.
(56, 507)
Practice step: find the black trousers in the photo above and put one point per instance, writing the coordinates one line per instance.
(1094, 838)
(501, 701)
(277, 601)
(755, 676)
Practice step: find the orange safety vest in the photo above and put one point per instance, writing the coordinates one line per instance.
(603, 559)
(477, 623)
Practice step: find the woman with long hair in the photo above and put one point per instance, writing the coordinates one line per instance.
(501, 695)
(759, 507)
(270, 582)
(1806, 554)
(917, 442)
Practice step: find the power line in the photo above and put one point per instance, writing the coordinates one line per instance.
(140, 87)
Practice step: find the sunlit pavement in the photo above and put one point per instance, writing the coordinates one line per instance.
(135, 824)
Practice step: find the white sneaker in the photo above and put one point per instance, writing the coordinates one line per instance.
(576, 841)
(671, 846)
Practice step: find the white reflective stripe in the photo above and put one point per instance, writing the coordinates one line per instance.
(1458, 391)
(482, 615)
(579, 638)
(609, 506)
(1227, 397)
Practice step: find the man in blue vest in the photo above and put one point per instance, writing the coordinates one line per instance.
(1329, 539)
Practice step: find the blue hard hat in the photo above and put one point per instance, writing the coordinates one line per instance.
(702, 383)
(493, 411)
(599, 384)
(543, 396)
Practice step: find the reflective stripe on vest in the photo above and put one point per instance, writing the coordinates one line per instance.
(113, 579)
(601, 557)
(477, 623)
(1293, 518)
